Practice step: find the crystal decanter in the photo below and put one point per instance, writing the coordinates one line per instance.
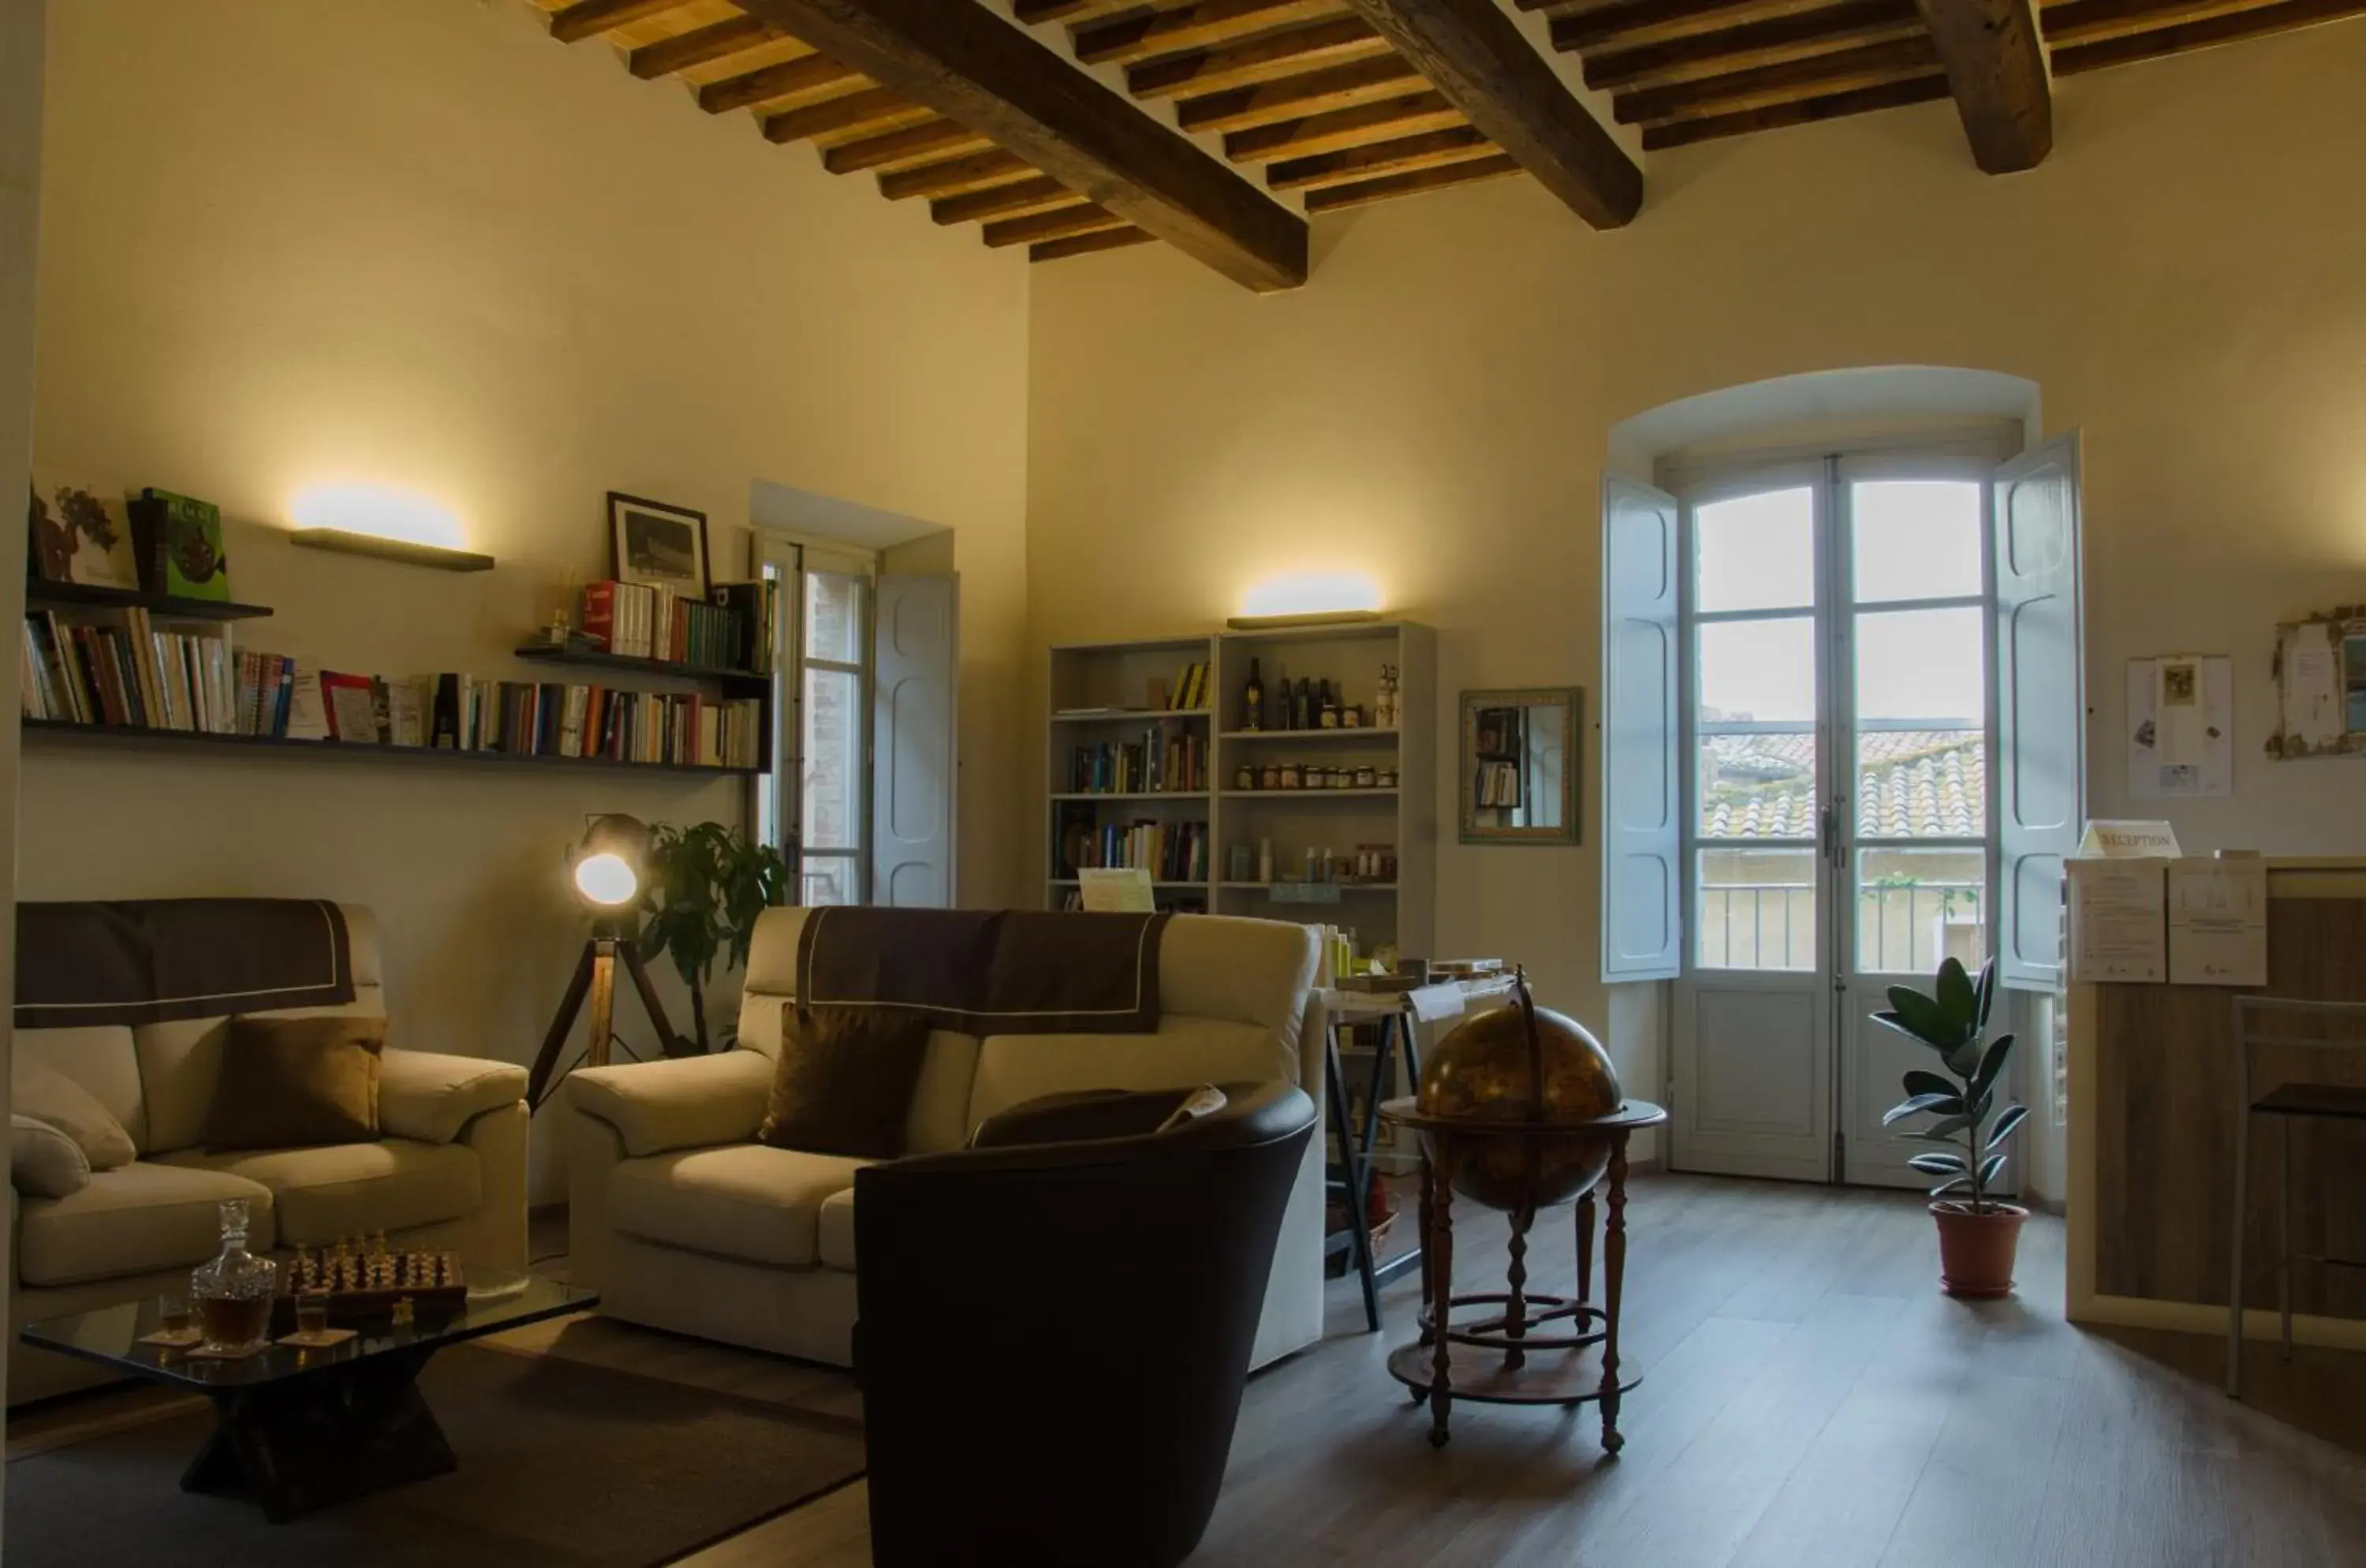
(233, 1293)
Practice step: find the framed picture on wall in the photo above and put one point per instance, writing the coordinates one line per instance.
(657, 545)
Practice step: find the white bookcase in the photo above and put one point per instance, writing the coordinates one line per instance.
(1399, 913)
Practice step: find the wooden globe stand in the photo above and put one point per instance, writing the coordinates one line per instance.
(1499, 1356)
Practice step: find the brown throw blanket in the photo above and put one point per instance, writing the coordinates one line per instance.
(987, 971)
(152, 960)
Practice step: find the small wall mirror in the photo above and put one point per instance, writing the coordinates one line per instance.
(1519, 766)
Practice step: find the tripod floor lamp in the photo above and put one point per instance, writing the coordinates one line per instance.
(606, 871)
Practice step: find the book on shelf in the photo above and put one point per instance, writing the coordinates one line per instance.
(1191, 690)
(122, 672)
(1170, 852)
(1166, 759)
(720, 632)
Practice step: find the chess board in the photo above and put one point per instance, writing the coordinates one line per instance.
(365, 1281)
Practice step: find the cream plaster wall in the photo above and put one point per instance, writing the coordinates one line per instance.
(415, 240)
(2185, 280)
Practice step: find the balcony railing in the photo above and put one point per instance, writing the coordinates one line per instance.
(1902, 927)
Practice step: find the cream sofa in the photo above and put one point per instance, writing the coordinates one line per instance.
(682, 1222)
(449, 1174)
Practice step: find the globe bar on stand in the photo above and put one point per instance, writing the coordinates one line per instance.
(1520, 1109)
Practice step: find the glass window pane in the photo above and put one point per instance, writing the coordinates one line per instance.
(833, 617)
(1922, 664)
(828, 880)
(1756, 552)
(1921, 784)
(1756, 908)
(1917, 907)
(1916, 538)
(1758, 670)
(1758, 786)
(833, 760)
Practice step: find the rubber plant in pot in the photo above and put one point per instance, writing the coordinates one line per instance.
(1977, 1234)
(707, 884)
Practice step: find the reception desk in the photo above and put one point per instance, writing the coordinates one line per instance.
(2152, 1118)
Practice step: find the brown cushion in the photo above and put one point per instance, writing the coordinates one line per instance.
(843, 1082)
(294, 1082)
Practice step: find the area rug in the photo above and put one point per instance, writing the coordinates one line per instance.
(561, 1463)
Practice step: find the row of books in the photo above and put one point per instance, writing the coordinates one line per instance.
(126, 673)
(720, 632)
(468, 713)
(1190, 691)
(1167, 760)
(1170, 852)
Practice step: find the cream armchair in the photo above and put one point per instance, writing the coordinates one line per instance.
(683, 1221)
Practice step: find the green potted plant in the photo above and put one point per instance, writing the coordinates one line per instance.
(707, 884)
(1977, 1234)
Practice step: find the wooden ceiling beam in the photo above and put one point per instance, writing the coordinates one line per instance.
(978, 171)
(1337, 128)
(1768, 41)
(1335, 87)
(1401, 156)
(1041, 193)
(2090, 21)
(1873, 65)
(590, 18)
(930, 141)
(1803, 111)
(806, 73)
(2181, 37)
(971, 65)
(1330, 199)
(1641, 21)
(1063, 223)
(702, 46)
(1035, 12)
(1478, 57)
(1996, 70)
(1086, 244)
(1260, 59)
(1139, 35)
(848, 113)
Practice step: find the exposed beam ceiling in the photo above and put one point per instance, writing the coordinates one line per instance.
(1996, 70)
(971, 66)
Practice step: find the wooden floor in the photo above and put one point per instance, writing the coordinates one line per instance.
(1810, 1402)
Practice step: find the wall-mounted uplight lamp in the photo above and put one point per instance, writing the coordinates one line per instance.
(1324, 598)
(384, 521)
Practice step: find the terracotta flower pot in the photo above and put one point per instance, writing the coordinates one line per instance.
(1975, 1250)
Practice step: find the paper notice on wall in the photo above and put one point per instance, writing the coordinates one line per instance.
(2180, 728)
(2315, 716)
(2218, 922)
(2119, 927)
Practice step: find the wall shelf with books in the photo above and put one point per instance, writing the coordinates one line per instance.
(735, 683)
(44, 595)
(121, 735)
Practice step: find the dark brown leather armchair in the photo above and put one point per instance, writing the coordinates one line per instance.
(1054, 1327)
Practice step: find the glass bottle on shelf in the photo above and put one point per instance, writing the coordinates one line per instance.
(1252, 700)
(1326, 712)
(233, 1292)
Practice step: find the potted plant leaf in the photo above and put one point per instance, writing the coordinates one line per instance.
(707, 884)
(1978, 1235)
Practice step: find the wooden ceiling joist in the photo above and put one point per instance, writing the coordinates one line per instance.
(970, 65)
(1060, 224)
(1260, 59)
(590, 18)
(1338, 86)
(979, 171)
(1032, 12)
(930, 141)
(1139, 35)
(1766, 41)
(1641, 21)
(1332, 197)
(1996, 71)
(1872, 65)
(2203, 32)
(1087, 244)
(1337, 128)
(1478, 58)
(1401, 156)
(850, 114)
(702, 46)
(1041, 193)
(1801, 111)
(775, 84)
(2089, 21)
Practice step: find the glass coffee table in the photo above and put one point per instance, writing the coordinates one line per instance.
(298, 1430)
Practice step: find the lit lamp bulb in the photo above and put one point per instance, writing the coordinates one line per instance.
(606, 866)
(606, 879)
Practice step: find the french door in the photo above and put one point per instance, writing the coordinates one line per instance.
(1838, 724)
(813, 804)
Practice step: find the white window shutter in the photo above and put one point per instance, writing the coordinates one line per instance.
(1642, 908)
(2041, 706)
(915, 660)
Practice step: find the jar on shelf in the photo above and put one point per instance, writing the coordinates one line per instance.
(1271, 777)
(1245, 776)
(1292, 776)
(1366, 776)
(1385, 778)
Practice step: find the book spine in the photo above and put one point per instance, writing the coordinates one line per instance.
(600, 614)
